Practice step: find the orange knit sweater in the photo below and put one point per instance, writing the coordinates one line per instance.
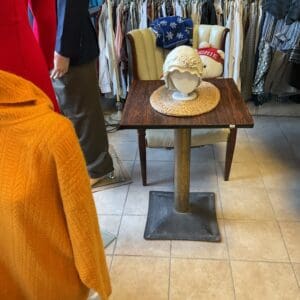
(50, 244)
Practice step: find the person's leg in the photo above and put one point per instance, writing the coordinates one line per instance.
(78, 97)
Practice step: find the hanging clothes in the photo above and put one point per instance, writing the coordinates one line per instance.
(20, 53)
(144, 14)
(294, 61)
(248, 58)
(234, 42)
(208, 13)
(265, 56)
(178, 9)
(104, 75)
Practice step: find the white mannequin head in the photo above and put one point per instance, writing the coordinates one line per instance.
(183, 72)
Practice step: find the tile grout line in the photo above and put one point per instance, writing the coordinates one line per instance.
(121, 219)
(226, 239)
(204, 258)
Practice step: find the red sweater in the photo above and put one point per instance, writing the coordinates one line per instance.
(19, 51)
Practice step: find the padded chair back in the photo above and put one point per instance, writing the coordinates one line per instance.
(147, 58)
(213, 34)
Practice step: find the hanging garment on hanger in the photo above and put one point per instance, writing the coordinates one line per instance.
(144, 13)
(265, 57)
(219, 12)
(293, 12)
(285, 36)
(277, 8)
(294, 61)
(163, 9)
(104, 78)
(119, 32)
(234, 42)
(258, 24)
(178, 9)
(277, 79)
(208, 13)
(248, 58)
(194, 13)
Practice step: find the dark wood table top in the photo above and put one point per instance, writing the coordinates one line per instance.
(138, 112)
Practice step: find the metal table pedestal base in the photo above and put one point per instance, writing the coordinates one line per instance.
(198, 224)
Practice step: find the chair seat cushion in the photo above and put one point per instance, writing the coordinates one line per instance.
(164, 138)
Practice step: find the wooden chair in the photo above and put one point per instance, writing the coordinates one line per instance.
(147, 64)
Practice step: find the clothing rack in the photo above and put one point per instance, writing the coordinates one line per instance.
(116, 69)
(119, 105)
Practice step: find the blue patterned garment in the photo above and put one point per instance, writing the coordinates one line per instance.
(172, 31)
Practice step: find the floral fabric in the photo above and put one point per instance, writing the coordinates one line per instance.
(172, 31)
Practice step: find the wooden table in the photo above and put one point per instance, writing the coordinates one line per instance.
(163, 221)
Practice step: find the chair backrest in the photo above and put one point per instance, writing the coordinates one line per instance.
(148, 59)
(213, 34)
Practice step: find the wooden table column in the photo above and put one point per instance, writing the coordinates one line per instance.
(182, 145)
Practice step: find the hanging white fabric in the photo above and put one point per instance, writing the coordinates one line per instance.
(234, 42)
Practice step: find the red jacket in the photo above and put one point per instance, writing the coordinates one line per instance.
(19, 51)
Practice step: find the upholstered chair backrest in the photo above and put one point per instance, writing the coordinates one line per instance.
(213, 34)
(148, 59)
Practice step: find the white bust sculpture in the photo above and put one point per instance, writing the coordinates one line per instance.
(182, 72)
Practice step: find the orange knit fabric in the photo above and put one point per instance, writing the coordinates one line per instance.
(50, 243)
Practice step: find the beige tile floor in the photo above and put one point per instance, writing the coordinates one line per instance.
(258, 213)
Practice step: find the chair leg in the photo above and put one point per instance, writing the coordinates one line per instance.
(229, 152)
(142, 150)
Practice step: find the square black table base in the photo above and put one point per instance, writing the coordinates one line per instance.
(165, 223)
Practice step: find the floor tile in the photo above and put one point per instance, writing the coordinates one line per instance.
(144, 278)
(246, 204)
(159, 173)
(126, 150)
(271, 148)
(286, 204)
(297, 272)
(131, 239)
(291, 235)
(242, 135)
(296, 151)
(242, 152)
(110, 224)
(159, 154)
(263, 126)
(249, 240)
(195, 279)
(111, 201)
(280, 175)
(109, 259)
(245, 175)
(128, 165)
(191, 249)
(138, 199)
(128, 135)
(267, 281)
(202, 154)
(203, 175)
(290, 128)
